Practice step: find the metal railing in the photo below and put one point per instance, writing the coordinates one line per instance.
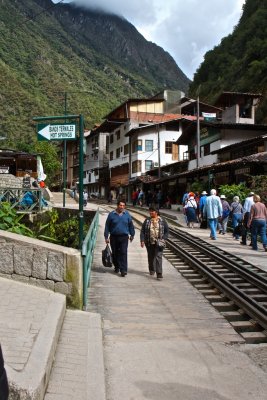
(22, 199)
(88, 253)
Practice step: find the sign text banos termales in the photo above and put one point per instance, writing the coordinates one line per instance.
(61, 131)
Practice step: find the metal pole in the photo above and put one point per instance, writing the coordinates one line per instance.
(198, 135)
(81, 216)
(64, 156)
(159, 170)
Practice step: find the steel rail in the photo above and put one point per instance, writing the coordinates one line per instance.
(253, 277)
(244, 301)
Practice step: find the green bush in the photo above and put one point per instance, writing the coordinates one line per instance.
(230, 191)
(10, 220)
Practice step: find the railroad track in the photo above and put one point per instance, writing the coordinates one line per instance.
(236, 288)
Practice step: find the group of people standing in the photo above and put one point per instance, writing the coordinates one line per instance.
(119, 230)
(249, 217)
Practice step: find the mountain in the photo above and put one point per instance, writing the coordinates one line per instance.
(239, 63)
(57, 57)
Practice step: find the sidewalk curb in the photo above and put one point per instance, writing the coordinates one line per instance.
(31, 383)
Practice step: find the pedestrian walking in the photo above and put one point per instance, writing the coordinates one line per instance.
(257, 222)
(85, 198)
(246, 214)
(213, 211)
(191, 210)
(110, 197)
(119, 229)
(222, 224)
(237, 214)
(153, 234)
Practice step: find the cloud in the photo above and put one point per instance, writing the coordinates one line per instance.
(187, 29)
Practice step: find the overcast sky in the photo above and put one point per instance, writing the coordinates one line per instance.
(187, 29)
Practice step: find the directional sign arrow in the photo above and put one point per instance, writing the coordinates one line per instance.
(45, 132)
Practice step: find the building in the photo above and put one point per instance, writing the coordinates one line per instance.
(229, 126)
(96, 164)
(136, 132)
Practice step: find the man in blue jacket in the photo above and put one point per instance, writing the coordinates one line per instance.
(118, 230)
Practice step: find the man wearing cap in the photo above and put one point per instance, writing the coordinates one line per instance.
(246, 209)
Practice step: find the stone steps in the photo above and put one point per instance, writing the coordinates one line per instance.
(78, 368)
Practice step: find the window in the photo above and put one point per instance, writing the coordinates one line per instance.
(111, 155)
(118, 134)
(149, 145)
(205, 150)
(89, 177)
(168, 147)
(126, 149)
(118, 152)
(107, 144)
(137, 146)
(148, 165)
(111, 139)
(136, 166)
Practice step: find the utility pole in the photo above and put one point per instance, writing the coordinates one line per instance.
(198, 135)
(159, 170)
(198, 129)
(64, 156)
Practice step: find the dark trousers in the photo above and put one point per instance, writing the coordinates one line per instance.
(246, 230)
(3, 379)
(119, 247)
(154, 255)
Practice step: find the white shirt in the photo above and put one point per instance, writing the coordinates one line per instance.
(248, 203)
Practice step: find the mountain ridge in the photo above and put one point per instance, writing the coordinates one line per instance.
(48, 51)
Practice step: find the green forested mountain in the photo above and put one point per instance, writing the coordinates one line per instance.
(239, 63)
(49, 52)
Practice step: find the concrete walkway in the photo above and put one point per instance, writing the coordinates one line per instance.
(163, 340)
(142, 339)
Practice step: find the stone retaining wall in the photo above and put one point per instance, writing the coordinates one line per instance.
(42, 264)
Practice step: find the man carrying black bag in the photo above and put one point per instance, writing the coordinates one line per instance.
(118, 230)
(4, 391)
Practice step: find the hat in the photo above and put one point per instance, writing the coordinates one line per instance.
(204, 192)
(191, 194)
(251, 194)
(222, 196)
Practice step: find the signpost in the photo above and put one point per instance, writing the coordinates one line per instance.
(64, 132)
(56, 132)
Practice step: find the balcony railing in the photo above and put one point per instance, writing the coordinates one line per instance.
(22, 199)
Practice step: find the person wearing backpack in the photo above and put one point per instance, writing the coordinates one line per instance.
(222, 223)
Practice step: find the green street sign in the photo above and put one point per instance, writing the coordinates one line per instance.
(56, 132)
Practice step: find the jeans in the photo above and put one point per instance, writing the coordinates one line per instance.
(258, 227)
(222, 225)
(236, 218)
(213, 226)
(119, 247)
